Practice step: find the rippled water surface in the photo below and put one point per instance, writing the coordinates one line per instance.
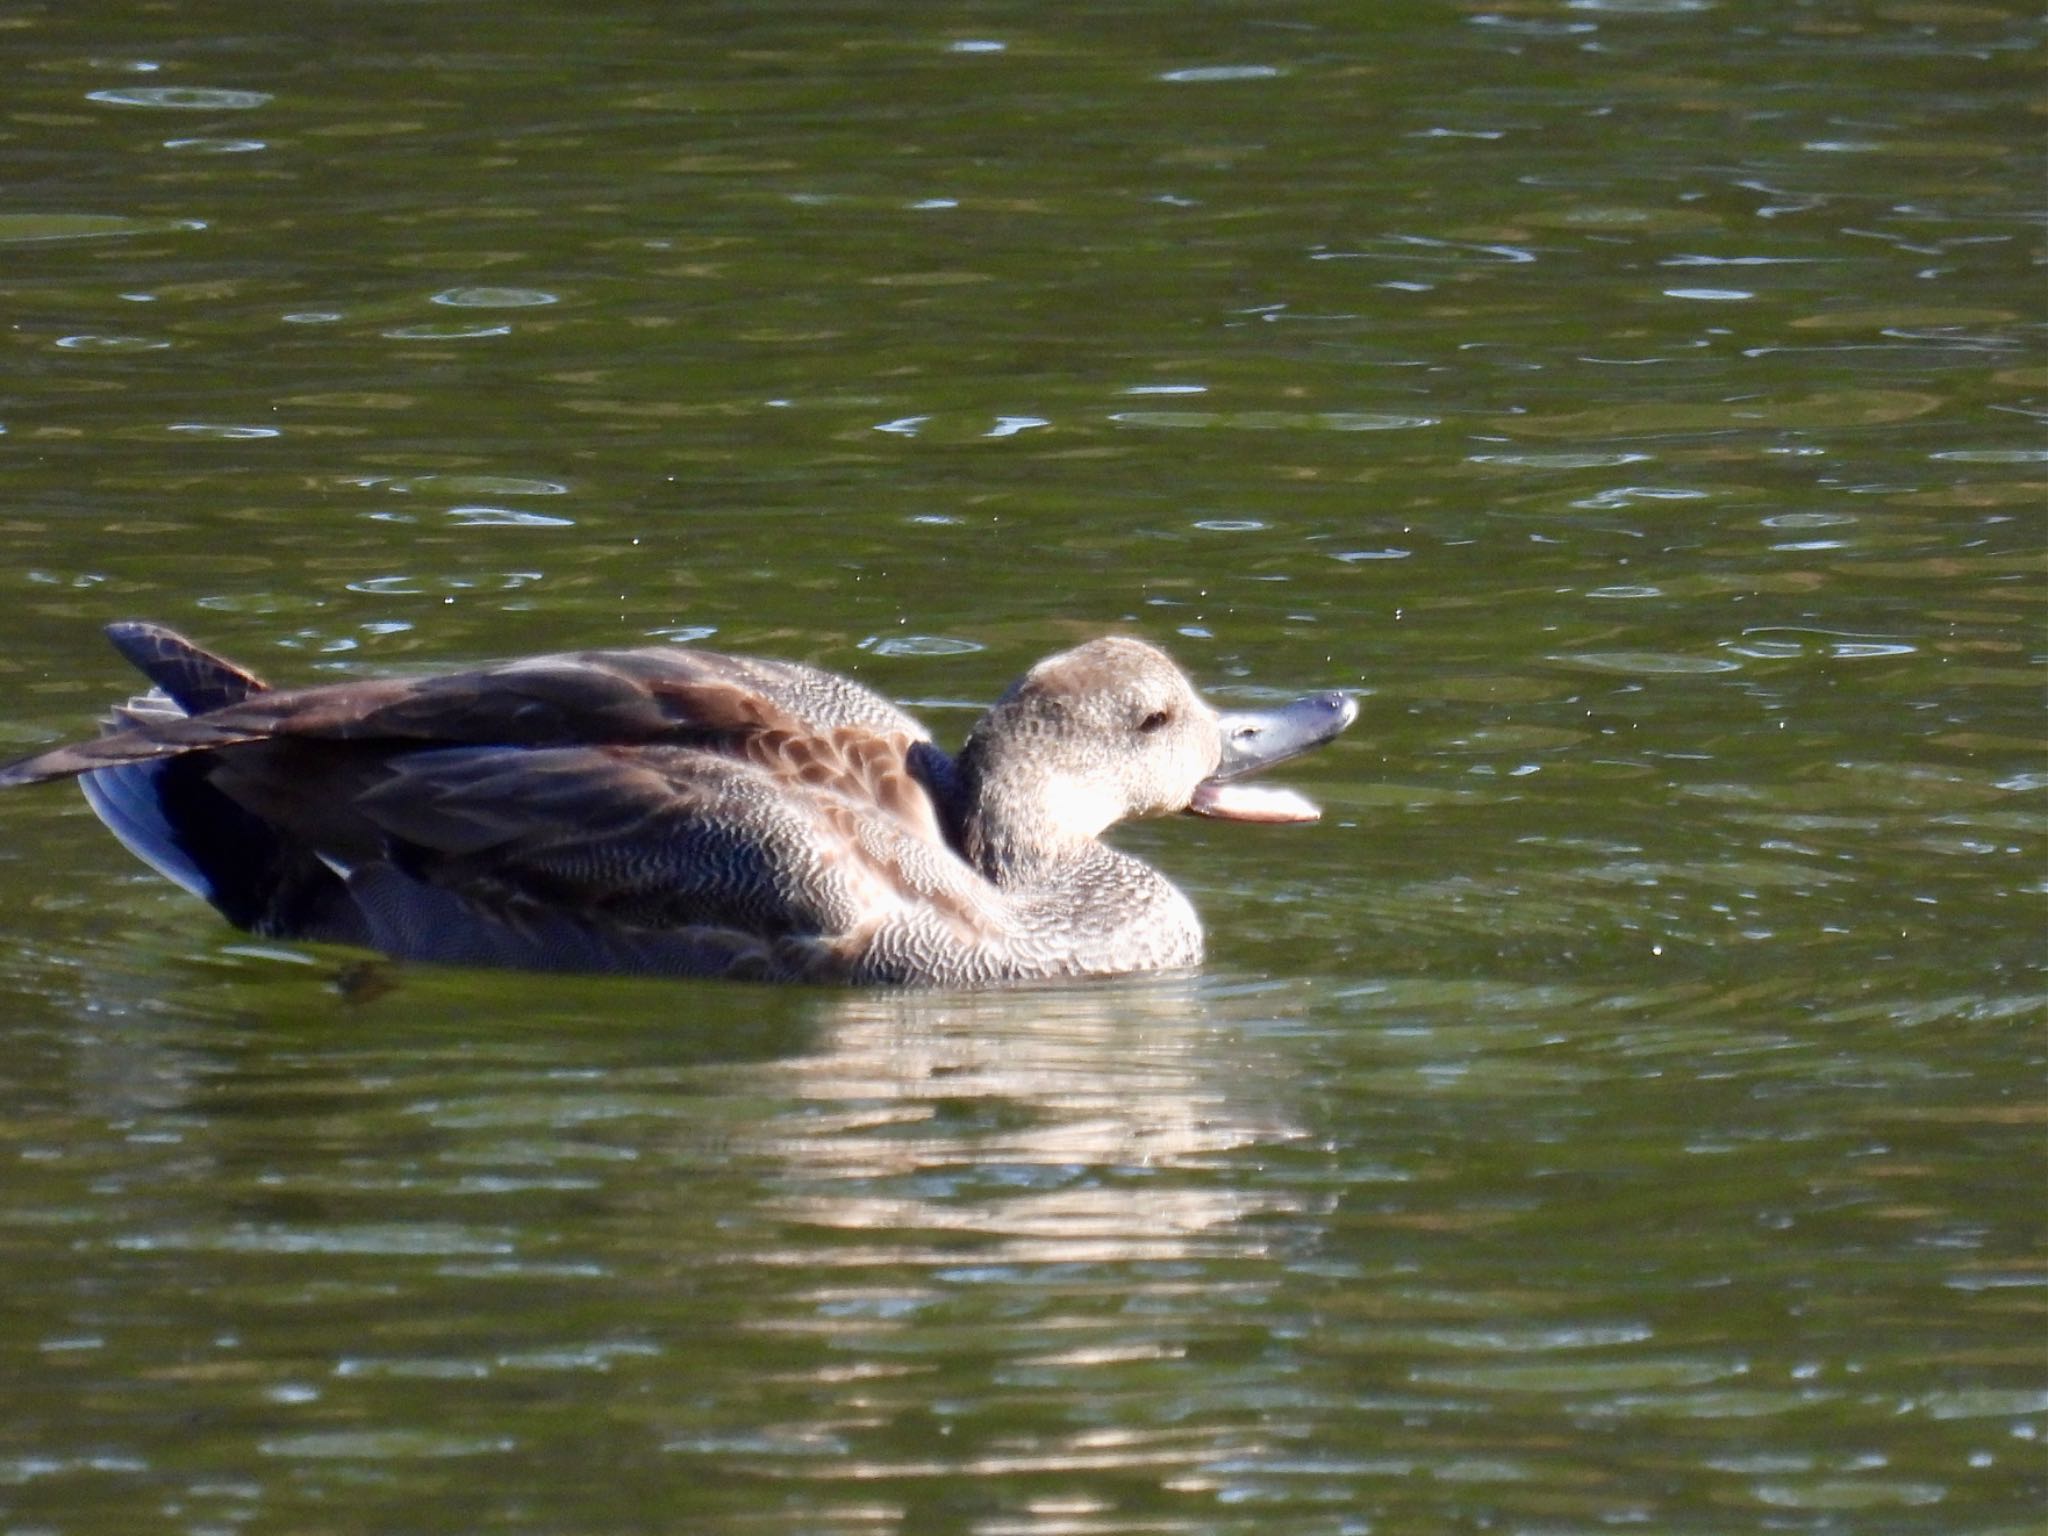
(1623, 1111)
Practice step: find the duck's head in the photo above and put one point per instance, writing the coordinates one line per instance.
(1112, 729)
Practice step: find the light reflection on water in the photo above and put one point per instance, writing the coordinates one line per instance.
(1035, 1118)
(1166, 1236)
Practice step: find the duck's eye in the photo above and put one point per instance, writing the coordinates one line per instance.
(1154, 721)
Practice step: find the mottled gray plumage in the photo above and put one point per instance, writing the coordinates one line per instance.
(682, 812)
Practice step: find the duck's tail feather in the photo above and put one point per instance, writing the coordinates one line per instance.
(191, 683)
(129, 799)
(196, 680)
(256, 876)
(163, 810)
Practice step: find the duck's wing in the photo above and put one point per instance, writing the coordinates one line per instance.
(658, 694)
(649, 858)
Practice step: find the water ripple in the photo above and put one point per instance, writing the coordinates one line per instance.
(181, 98)
(380, 1445)
(1647, 663)
(1211, 73)
(495, 298)
(1275, 421)
(30, 228)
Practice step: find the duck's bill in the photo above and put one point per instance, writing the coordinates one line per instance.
(1252, 802)
(1254, 740)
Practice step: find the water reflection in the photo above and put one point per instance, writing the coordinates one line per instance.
(1189, 1242)
(972, 1205)
(1037, 1119)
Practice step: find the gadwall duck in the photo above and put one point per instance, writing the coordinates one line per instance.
(683, 812)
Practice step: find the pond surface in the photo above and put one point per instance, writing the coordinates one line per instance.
(1624, 1110)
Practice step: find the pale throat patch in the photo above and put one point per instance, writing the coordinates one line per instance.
(1082, 807)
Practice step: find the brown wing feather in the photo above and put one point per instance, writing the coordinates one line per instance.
(195, 678)
(658, 838)
(658, 694)
(658, 808)
(866, 769)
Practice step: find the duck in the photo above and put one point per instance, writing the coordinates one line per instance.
(674, 811)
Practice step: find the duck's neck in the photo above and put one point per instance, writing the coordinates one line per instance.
(1012, 830)
(1092, 911)
(1025, 817)
(1078, 906)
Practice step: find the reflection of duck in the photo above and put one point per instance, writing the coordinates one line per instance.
(1041, 1118)
(1150, 1070)
(682, 811)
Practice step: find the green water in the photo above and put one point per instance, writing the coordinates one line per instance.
(1623, 1111)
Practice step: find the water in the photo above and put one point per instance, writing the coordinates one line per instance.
(1623, 1110)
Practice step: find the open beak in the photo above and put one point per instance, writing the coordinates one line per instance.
(1253, 741)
